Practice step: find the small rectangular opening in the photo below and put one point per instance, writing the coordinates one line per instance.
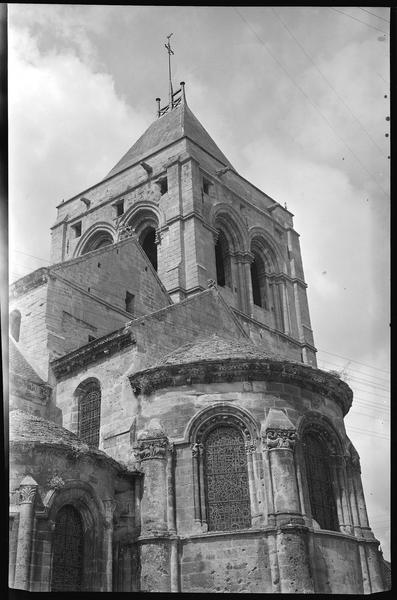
(77, 229)
(119, 208)
(129, 302)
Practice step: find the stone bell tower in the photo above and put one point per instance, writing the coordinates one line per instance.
(198, 220)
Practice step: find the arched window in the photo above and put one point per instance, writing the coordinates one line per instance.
(97, 240)
(147, 239)
(67, 562)
(222, 260)
(15, 324)
(226, 480)
(321, 494)
(89, 411)
(259, 282)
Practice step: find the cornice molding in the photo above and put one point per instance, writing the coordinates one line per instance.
(29, 282)
(92, 352)
(243, 369)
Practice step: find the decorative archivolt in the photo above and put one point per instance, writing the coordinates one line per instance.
(223, 217)
(318, 424)
(141, 211)
(95, 237)
(82, 496)
(222, 414)
(262, 242)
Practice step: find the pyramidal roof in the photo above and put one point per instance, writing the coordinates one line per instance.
(174, 125)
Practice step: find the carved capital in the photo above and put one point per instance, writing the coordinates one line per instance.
(197, 450)
(55, 482)
(151, 448)
(250, 447)
(355, 463)
(125, 231)
(27, 494)
(215, 235)
(279, 438)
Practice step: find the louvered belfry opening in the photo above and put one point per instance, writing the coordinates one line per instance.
(322, 500)
(226, 480)
(67, 563)
(90, 414)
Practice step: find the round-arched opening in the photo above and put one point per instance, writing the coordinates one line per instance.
(319, 481)
(258, 281)
(15, 324)
(226, 479)
(88, 394)
(222, 261)
(147, 239)
(68, 546)
(97, 240)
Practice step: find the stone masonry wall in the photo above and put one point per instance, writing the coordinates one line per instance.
(133, 185)
(108, 273)
(33, 335)
(228, 563)
(156, 335)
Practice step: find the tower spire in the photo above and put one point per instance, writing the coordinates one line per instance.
(170, 51)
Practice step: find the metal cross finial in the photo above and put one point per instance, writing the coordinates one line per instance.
(170, 51)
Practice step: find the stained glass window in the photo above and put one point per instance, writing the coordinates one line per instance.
(90, 415)
(321, 492)
(67, 564)
(226, 478)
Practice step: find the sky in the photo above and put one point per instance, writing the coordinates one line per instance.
(297, 98)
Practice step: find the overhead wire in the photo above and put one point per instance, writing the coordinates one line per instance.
(381, 151)
(313, 104)
(343, 368)
(351, 360)
(355, 18)
(373, 14)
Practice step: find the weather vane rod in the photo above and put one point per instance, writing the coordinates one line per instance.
(170, 51)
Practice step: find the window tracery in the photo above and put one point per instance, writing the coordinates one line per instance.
(226, 480)
(222, 452)
(89, 412)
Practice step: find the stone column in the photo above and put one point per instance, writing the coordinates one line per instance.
(347, 525)
(109, 505)
(359, 495)
(279, 436)
(285, 307)
(255, 514)
(151, 450)
(353, 499)
(27, 496)
(197, 484)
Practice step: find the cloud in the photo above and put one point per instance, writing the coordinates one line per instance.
(67, 128)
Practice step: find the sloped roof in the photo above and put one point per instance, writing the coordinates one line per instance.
(20, 366)
(171, 127)
(26, 427)
(216, 347)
